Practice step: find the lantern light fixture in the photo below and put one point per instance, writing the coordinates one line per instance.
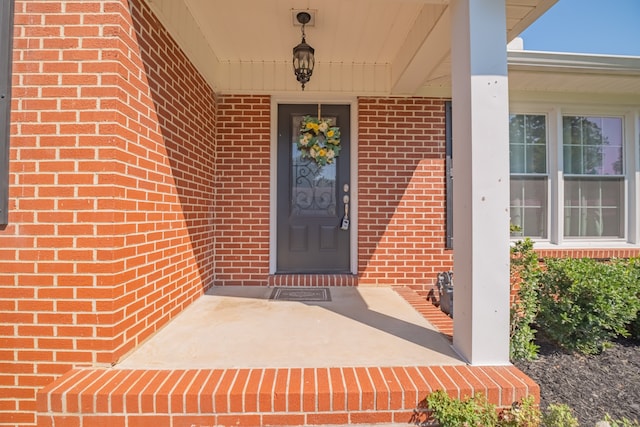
(303, 54)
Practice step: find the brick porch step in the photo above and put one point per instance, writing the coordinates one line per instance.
(270, 396)
(265, 397)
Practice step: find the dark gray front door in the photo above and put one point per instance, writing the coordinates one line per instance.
(311, 197)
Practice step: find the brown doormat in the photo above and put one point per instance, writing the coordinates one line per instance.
(301, 294)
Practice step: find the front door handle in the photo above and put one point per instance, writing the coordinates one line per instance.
(345, 219)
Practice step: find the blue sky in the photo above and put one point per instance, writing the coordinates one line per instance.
(587, 26)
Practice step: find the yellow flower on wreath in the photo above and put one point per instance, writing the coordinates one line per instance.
(318, 140)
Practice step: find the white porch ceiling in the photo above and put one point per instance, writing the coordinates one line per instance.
(383, 47)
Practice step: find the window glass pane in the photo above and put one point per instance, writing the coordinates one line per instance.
(572, 155)
(528, 143)
(594, 207)
(593, 145)
(313, 187)
(516, 129)
(536, 158)
(516, 158)
(612, 161)
(536, 128)
(529, 206)
(528, 155)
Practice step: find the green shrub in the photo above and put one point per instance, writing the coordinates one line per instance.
(451, 412)
(585, 303)
(523, 414)
(525, 273)
(622, 422)
(476, 411)
(634, 325)
(634, 328)
(559, 415)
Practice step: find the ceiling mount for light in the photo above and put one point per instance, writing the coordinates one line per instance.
(303, 54)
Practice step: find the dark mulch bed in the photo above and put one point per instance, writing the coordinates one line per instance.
(608, 383)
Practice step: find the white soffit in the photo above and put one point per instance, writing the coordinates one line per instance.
(362, 46)
(580, 73)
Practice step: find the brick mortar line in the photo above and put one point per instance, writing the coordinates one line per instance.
(52, 392)
(66, 396)
(360, 389)
(200, 390)
(403, 396)
(259, 385)
(344, 387)
(421, 371)
(186, 389)
(172, 395)
(386, 384)
(497, 373)
(447, 369)
(497, 386)
(515, 381)
(153, 394)
(272, 402)
(237, 381)
(472, 372)
(524, 383)
(316, 406)
(330, 389)
(98, 378)
(373, 386)
(157, 373)
(458, 391)
(415, 387)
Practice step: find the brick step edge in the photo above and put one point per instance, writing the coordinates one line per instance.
(265, 395)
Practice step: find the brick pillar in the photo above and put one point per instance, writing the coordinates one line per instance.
(112, 174)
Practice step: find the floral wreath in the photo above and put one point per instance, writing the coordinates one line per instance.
(319, 140)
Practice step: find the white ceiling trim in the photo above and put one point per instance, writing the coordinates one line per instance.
(568, 62)
(177, 18)
(416, 64)
(277, 77)
(538, 10)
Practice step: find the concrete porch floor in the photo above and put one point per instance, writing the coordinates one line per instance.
(240, 327)
(234, 358)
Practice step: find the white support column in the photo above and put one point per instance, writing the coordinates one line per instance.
(481, 181)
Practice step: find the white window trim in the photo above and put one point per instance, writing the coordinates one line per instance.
(555, 206)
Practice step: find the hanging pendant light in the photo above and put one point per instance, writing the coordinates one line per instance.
(303, 59)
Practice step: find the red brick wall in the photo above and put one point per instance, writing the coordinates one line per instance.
(401, 191)
(243, 190)
(167, 164)
(111, 181)
(597, 253)
(401, 150)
